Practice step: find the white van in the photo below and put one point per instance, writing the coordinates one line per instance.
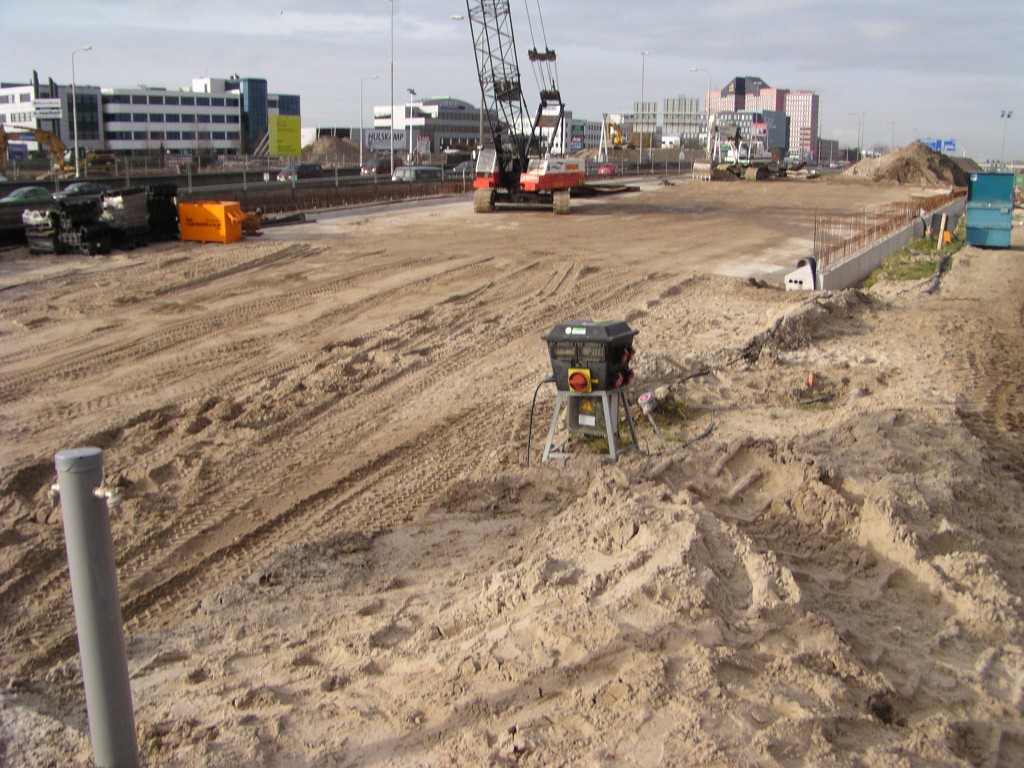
(417, 173)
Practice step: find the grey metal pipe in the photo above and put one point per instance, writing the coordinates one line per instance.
(90, 548)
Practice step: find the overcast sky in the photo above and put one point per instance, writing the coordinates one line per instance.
(926, 69)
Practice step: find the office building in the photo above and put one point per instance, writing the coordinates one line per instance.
(440, 123)
(802, 109)
(684, 118)
(216, 116)
(586, 134)
(752, 94)
(435, 124)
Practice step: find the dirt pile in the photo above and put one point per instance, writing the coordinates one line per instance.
(915, 165)
(331, 149)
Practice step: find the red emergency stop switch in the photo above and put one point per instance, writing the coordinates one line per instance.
(579, 379)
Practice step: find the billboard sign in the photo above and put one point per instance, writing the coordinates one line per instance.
(48, 109)
(947, 146)
(577, 137)
(381, 140)
(285, 136)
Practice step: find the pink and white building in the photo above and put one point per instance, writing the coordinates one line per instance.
(752, 94)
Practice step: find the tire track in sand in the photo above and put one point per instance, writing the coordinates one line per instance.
(406, 479)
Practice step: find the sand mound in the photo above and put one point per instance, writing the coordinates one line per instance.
(330, 148)
(914, 164)
(331, 550)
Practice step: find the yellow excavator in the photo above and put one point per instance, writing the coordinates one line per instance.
(54, 147)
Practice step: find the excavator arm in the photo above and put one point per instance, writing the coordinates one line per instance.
(52, 143)
(55, 148)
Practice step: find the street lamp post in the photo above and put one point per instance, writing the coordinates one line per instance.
(1005, 114)
(643, 72)
(74, 104)
(892, 141)
(707, 97)
(392, 101)
(362, 136)
(860, 119)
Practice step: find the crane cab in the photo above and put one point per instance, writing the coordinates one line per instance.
(488, 174)
(547, 174)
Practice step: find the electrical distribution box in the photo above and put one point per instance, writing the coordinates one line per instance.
(588, 356)
(590, 361)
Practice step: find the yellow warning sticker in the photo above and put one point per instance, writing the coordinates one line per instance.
(587, 406)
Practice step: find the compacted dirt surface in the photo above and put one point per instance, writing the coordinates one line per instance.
(337, 545)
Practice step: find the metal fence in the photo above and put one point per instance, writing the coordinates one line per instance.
(286, 198)
(839, 238)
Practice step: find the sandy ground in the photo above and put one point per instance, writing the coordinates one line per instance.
(331, 552)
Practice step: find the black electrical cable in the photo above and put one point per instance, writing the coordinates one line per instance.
(533, 405)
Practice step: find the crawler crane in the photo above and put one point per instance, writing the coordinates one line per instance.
(519, 167)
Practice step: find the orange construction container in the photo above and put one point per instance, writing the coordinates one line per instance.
(211, 221)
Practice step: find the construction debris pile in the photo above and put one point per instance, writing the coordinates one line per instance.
(915, 164)
(126, 218)
(332, 150)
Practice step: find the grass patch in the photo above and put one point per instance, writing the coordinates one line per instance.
(903, 265)
(671, 417)
(918, 259)
(671, 413)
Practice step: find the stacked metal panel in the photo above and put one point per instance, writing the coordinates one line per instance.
(126, 213)
(162, 204)
(41, 230)
(80, 226)
(125, 218)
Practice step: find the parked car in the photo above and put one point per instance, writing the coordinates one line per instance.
(466, 167)
(301, 171)
(382, 166)
(83, 189)
(22, 199)
(27, 195)
(608, 169)
(417, 173)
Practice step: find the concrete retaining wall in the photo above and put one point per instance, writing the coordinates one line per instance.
(858, 267)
